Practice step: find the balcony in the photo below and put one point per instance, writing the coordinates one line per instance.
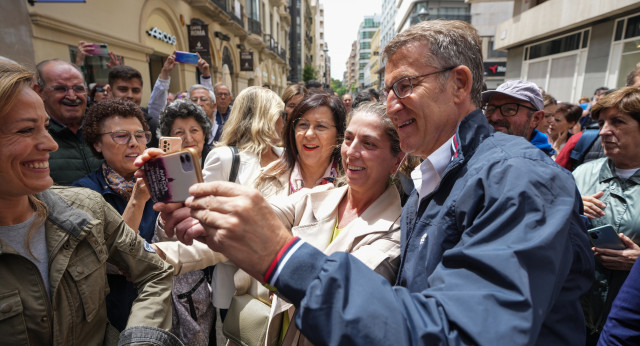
(254, 26)
(222, 4)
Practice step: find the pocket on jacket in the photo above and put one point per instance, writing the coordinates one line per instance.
(12, 325)
(88, 270)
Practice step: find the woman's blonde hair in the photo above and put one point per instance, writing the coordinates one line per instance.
(252, 122)
(13, 79)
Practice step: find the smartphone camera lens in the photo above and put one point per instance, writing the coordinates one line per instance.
(593, 235)
(188, 158)
(181, 159)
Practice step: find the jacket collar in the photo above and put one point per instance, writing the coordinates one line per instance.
(63, 215)
(379, 216)
(607, 173)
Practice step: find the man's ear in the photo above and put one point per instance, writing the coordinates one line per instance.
(462, 81)
(536, 118)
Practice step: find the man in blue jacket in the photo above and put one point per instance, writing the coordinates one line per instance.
(494, 251)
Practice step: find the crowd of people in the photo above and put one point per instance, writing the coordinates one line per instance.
(431, 212)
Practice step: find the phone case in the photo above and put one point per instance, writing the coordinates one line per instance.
(606, 237)
(170, 144)
(169, 177)
(98, 49)
(187, 58)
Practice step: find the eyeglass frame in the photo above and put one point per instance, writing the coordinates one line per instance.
(518, 105)
(387, 91)
(130, 135)
(315, 128)
(59, 88)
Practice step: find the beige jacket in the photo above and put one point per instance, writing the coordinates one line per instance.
(373, 238)
(83, 233)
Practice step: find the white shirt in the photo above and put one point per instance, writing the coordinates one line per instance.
(427, 176)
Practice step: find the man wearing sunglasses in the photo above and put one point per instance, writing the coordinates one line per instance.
(494, 251)
(62, 87)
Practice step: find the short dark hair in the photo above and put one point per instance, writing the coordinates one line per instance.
(600, 90)
(288, 159)
(571, 112)
(184, 109)
(125, 73)
(105, 109)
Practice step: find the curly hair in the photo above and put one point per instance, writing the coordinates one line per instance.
(184, 109)
(103, 110)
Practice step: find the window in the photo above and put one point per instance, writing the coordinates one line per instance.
(557, 65)
(254, 12)
(556, 46)
(625, 50)
(95, 67)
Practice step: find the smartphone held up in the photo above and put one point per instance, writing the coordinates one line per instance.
(97, 49)
(187, 58)
(169, 177)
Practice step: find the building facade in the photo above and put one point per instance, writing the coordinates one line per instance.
(485, 17)
(243, 50)
(304, 38)
(367, 29)
(570, 52)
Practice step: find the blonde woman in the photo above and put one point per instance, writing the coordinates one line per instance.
(55, 242)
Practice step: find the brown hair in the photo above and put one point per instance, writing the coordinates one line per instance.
(287, 161)
(571, 112)
(626, 100)
(13, 79)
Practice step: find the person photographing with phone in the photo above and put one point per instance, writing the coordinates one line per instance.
(610, 189)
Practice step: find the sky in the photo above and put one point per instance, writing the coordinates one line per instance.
(341, 21)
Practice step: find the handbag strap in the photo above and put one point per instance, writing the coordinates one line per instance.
(233, 173)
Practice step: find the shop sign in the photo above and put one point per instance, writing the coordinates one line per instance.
(199, 41)
(495, 69)
(162, 36)
(246, 60)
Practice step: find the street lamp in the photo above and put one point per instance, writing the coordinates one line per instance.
(326, 65)
(423, 14)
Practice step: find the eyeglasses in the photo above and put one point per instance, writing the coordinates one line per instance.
(123, 137)
(302, 125)
(223, 95)
(507, 109)
(403, 87)
(100, 90)
(201, 98)
(61, 89)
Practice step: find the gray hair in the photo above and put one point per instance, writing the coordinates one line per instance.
(182, 108)
(451, 43)
(212, 96)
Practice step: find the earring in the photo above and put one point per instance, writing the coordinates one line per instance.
(393, 179)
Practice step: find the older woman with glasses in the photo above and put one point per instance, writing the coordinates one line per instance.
(117, 132)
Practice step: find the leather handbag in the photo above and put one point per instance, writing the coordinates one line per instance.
(247, 321)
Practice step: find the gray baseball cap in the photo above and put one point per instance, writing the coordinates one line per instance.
(520, 89)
